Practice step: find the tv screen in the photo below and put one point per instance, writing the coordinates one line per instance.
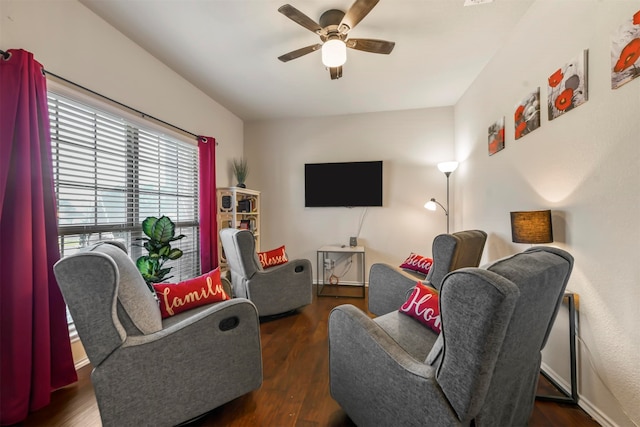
(343, 184)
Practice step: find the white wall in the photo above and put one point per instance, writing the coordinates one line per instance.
(71, 41)
(584, 166)
(410, 143)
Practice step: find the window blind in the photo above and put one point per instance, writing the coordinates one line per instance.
(111, 173)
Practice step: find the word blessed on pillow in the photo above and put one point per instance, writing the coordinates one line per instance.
(422, 305)
(273, 257)
(417, 263)
(178, 297)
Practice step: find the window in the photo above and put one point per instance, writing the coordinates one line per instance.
(111, 173)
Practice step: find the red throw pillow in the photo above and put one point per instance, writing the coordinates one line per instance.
(273, 257)
(417, 263)
(422, 305)
(178, 297)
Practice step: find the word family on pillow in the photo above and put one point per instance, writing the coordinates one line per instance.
(178, 297)
(273, 257)
(417, 263)
(422, 305)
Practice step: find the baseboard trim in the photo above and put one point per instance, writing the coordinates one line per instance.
(595, 413)
(81, 363)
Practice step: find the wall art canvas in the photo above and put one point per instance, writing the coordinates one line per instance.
(527, 115)
(568, 86)
(496, 137)
(625, 52)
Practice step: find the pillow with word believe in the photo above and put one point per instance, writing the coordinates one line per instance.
(417, 263)
(178, 297)
(273, 257)
(422, 305)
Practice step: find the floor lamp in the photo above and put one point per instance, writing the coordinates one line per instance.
(432, 205)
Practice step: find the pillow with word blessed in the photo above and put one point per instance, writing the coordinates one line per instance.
(178, 297)
(422, 305)
(273, 257)
(417, 263)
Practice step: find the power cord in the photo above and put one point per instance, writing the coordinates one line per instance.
(334, 279)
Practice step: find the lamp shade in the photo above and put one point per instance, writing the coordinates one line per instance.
(431, 205)
(334, 53)
(447, 167)
(531, 227)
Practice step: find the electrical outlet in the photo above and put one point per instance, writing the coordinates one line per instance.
(328, 263)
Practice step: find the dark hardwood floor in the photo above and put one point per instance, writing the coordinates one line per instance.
(295, 390)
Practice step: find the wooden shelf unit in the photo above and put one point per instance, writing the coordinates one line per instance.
(238, 208)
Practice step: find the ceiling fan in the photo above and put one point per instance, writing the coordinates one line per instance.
(333, 28)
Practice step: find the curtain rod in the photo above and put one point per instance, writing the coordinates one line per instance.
(7, 55)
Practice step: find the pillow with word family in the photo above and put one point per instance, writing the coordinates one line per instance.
(417, 263)
(422, 305)
(178, 297)
(273, 257)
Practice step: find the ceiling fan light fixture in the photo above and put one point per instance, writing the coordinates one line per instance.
(334, 53)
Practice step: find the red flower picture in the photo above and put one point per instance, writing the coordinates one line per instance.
(556, 78)
(563, 101)
(571, 90)
(496, 137)
(527, 115)
(625, 52)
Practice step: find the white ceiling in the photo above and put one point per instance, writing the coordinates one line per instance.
(229, 49)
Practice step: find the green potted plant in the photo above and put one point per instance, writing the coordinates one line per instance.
(240, 170)
(160, 233)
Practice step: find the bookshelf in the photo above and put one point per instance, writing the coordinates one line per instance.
(238, 208)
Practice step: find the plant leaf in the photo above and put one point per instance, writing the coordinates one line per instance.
(164, 251)
(144, 265)
(163, 230)
(163, 272)
(174, 254)
(148, 225)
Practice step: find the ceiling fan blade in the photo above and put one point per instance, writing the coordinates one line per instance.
(358, 10)
(299, 17)
(371, 45)
(299, 52)
(336, 72)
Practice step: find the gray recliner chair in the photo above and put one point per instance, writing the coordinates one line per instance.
(150, 371)
(390, 286)
(481, 370)
(275, 290)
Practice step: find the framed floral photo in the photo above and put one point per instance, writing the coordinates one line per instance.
(527, 115)
(625, 52)
(496, 137)
(568, 86)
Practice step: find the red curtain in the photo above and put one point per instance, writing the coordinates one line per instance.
(36, 353)
(208, 205)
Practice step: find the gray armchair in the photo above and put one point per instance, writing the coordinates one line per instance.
(483, 368)
(389, 286)
(276, 290)
(149, 371)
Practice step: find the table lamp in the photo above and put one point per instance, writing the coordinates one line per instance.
(531, 227)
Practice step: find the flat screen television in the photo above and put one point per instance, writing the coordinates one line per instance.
(347, 184)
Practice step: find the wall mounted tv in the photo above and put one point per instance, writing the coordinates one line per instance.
(343, 184)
